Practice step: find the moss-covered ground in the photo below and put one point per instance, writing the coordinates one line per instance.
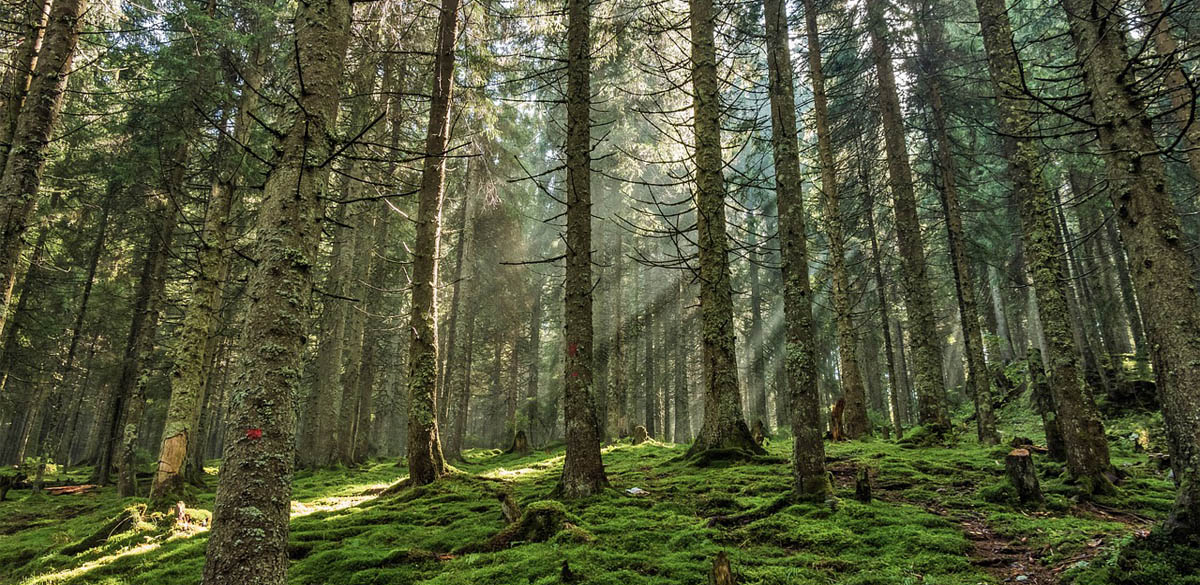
(942, 515)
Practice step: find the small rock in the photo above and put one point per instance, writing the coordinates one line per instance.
(1021, 578)
(636, 491)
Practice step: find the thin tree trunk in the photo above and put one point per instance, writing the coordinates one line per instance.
(930, 38)
(148, 307)
(856, 422)
(677, 326)
(927, 353)
(809, 479)
(425, 461)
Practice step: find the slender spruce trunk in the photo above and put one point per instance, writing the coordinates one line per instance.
(927, 354)
(809, 479)
(724, 426)
(425, 460)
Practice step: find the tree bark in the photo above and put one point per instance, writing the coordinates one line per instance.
(927, 354)
(1082, 430)
(724, 426)
(248, 540)
(425, 461)
(1162, 269)
(809, 480)
(583, 470)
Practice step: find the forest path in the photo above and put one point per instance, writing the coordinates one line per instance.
(1009, 560)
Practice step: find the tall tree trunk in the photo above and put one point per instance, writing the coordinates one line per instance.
(425, 461)
(618, 414)
(22, 177)
(446, 365)
(930, 38)
(927, 353)
(536, 315)
(373, 333)
(1150, 225)
(756, 343)
(150, 303)
(1083, 433)
(1007, 351)
(356, 322)
(809, 479)
(248, 540)
(855, 414)
(318, 429)
(20, 71)
(583, 470)
(677, 332)
(1176, 81)
(724, 426)
(649, 384)
(895, 387)
(190, 376)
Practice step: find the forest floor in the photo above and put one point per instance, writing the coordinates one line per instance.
(942, 515)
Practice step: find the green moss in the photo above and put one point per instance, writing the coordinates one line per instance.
(343, 531)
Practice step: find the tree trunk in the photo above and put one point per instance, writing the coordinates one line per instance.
(583, 470)
(1161, 266)
(534, 360)
(856, 420)
(425, 462)
(151, 299)
(809, 480)
(756, 350)
(20, 71)
(190, 376)
(723, 427)
(930, 39)
(927, 353)
(318, 439)
(894, 386)
(1082, 430)
(248, 540)
(618, 414)
(21, 180)
(682, 432)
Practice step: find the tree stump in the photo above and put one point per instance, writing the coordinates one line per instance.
(757, 433)
(640, 435)
(520, 444)
(1023, 476)
(862, 484)
(721, 574)
(835, 419)
(508, 507)
(9, 481)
